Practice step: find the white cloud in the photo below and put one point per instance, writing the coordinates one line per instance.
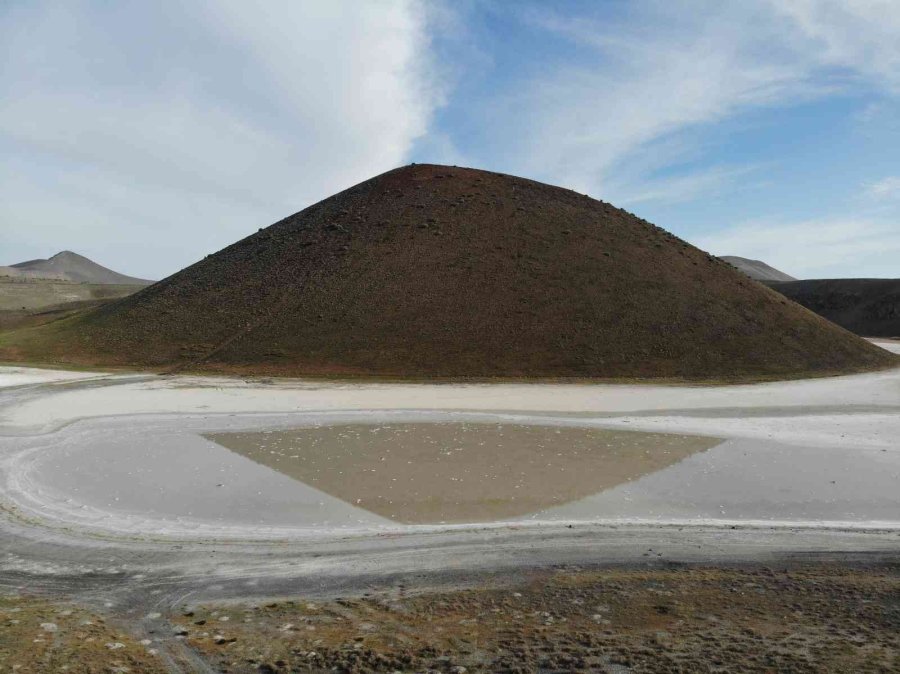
(213, 119)
(668, 68)
(861, 35)
(886, 188)
(828, 248)
(680, 188)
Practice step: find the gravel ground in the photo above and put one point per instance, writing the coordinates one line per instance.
(796, 617)
(808, 619)
(38, 636)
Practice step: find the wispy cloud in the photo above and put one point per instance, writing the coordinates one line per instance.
(669, 68)
(862, 36)
(680, 188)
(886, 188)
(814, 248)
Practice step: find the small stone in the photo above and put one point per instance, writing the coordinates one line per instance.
(49, 627)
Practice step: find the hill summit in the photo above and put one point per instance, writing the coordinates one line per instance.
(69, 266)
(757, 269)
(438, 271)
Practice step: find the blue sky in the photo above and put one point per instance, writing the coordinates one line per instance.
(146, 135)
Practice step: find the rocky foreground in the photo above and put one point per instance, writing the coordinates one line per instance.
(824, 618)
(702, 620)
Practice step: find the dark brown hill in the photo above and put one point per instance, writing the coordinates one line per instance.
(441, 271)
(866, 306)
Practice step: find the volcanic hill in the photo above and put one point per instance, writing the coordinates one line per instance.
(437, 271)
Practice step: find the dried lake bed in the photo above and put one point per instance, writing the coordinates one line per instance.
(206, 479)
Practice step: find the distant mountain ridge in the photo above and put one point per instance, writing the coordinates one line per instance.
(69, 266)
(757, 269)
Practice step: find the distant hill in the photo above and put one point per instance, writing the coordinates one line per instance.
(868, 307)
(436, 271)
(756, 269)
(69, 266)
(29, 295)
(64, 279)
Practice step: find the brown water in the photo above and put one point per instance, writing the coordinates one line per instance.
(421, 473)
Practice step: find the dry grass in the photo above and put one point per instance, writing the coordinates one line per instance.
(41, 637)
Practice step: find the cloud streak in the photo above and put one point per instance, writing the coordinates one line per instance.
(665, 69)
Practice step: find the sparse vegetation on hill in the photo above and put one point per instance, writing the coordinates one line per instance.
(437, 271)
(39, 295)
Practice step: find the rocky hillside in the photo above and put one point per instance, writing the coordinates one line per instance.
(436, 271)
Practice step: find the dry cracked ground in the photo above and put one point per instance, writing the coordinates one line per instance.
(824, 618)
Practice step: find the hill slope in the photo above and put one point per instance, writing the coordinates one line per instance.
(866, 306)
(757, 269)
(28, 294)
(438, 271)
(69, 266)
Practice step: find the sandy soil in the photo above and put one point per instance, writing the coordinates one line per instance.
(430, 473)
